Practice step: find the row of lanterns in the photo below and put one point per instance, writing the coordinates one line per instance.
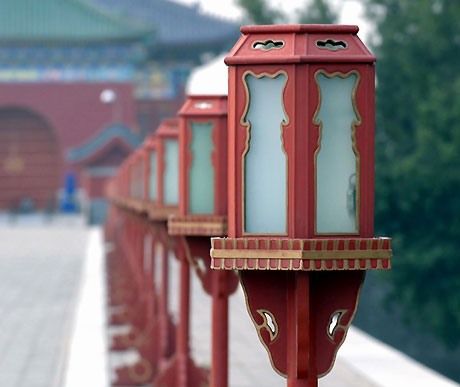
(281, 176)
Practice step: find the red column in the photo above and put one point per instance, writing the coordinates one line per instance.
(219, 354)
(301, 349)
(183, 326)
(163, 307)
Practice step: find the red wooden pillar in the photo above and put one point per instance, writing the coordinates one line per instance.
(219, 351)
(181, 371)
(301, 362)
(183, 326)
(163, 308)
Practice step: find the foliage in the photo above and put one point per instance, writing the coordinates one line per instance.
(418, 156)
(313, 12)
(259, 12)
(318, 12)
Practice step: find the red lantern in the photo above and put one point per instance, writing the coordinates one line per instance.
(203, 210)
(203, 167)
(301, 188)
(161, 159)
(136, 172)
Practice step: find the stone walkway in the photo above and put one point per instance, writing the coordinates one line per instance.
(249, 362)
(53, 327)
(40, 268)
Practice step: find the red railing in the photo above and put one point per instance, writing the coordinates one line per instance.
(142, 246)
(148, 226)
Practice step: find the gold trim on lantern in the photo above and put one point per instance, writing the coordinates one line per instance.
(346, 328)
(257, 326)
(299, 254)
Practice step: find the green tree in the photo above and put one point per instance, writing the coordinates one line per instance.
(418, 156)
(259, 12)
(318, 12)
(313, 12)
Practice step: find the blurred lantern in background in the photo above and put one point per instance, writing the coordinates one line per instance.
(203, 210)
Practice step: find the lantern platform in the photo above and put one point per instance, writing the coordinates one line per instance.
(161, 213)
(198, 225)
(300, 254)
(131, 204)
(135, 205)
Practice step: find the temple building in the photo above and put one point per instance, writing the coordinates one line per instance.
(82, 82)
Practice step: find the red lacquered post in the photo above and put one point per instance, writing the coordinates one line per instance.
(219, 369)
(301, 362)
(183, 327)
(163, 307)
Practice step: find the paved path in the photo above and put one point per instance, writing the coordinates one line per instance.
(40, 270)
(249, 362)
(52, 325)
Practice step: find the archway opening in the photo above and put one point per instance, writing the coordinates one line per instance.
(29, 160)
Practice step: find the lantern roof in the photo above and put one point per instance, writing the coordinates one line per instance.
(299, 43)
(169, 127)
(204, 105)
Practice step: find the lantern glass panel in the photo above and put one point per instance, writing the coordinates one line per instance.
(265, 161)
(157, 266)
(336, 158)
(148, 254)
(173, 285)
(153, 176)
(201, 175)
(171, 172)
(132, 181)
(140, 194)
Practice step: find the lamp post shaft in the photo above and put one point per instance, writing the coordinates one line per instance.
(301, 341)
(219, 369)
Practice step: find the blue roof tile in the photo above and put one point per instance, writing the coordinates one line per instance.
(175, 24)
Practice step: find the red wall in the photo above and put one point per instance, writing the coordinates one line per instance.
(29, 159)
(73, 110)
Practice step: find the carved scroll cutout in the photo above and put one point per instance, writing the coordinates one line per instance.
(331, 44)
(269, 323)
(334, 323)
(268, 45)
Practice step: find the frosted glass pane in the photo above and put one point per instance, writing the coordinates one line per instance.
(132, 181)
(153, 176)
(158, 265)
(201, 173)
(171, 173)
(265, 162)
(141, 181)
(336, 160)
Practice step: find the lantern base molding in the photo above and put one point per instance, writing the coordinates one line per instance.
(300, 254)
(197, 225)
(157, 212)
(134, 205)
